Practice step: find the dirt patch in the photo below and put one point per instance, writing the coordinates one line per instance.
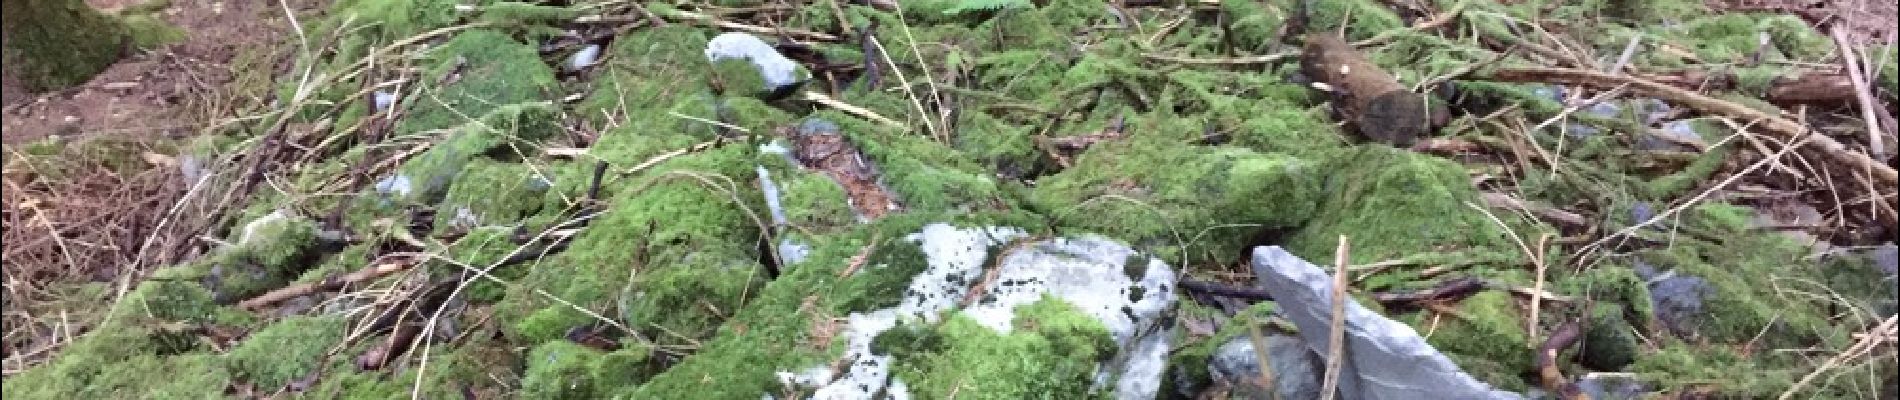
(166, 92)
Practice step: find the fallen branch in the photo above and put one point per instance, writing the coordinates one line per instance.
(689, 16)
(328, 284)
(861, 112)
(1548, 371)
(1244, 293)
(1336, 337)
(1822, 145)
(1542, 211)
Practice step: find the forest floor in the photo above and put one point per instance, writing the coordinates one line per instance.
(86, 224)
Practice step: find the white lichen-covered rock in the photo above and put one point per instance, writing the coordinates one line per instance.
(1092, 274)
(774, 70)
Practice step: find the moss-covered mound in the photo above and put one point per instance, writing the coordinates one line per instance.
(447, 206)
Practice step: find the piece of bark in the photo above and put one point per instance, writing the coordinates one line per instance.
(1803, 88)
(1373, 103)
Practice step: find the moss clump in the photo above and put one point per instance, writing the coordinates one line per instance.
(926, 176)
(647, 70)
(491, 70)
(1201, 188)
(1369, 18)
(681, 222)
(1392, 203)
(564, 370)
(286, 350)
(53, 44)
(1053, 348)
(774, 332)
(269, 251)
(1487, 338)
(495, 134)
(492, 193)
(1743, 271)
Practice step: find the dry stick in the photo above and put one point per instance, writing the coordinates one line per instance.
(331, 283)
(755, 29)
(1336, 346)
(902, 80)
(1861, 92)
(1260, 352)
(821, 98)
(1775, 124)
(1537, 294)
(1859, 348)
(1698, 197)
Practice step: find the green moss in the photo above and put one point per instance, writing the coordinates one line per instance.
(1052, 349)
(648, 69)
(58, 43)
(1487, 339)
(1392, 203)
(492, 192)
(1716, 366)
(1743, 272)
(286, 351)
(1369, 18)
(148, 31)
(495, 134)
(528, 13)
(268, 252)
(687, 293)
(564, 370)
(774, 331)
(1202, 188)
(668, 224)
(491, 70)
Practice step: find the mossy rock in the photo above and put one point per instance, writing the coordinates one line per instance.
(1391, 203)
(287, 350)
(488, 192)
(498, 134)
(1169, 193)
(268, 252)
(1487, 338)
(1054, 349)
(564, 370)
(666, 215)
(478, 71)
(649, 69)
(775, 331)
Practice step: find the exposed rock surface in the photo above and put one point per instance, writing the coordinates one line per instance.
(1384, 358)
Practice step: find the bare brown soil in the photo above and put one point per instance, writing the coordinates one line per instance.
(165, 92)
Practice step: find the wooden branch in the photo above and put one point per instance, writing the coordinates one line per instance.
(1552, 375)
(1819, 145)
(328, 284)
(1543, 212)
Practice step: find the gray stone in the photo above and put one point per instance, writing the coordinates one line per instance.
(778, 72)
(1600, 386)
(584, 58)
(1385, 359)
(1676, 299)
(1296, 368)
(1669, 137)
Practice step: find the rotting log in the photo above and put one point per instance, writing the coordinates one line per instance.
(1372, 102)
(1810, 88)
